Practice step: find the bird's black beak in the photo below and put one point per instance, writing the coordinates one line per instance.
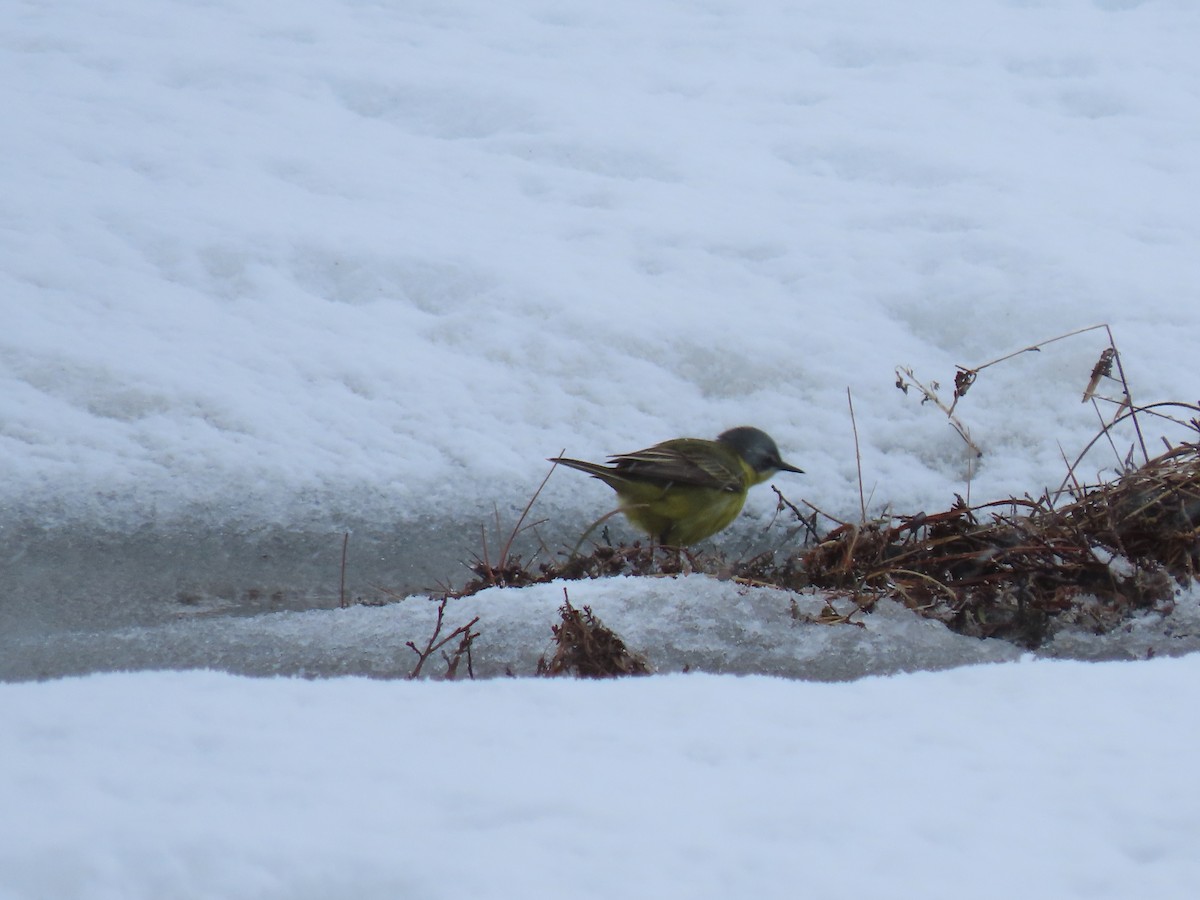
(787, 467)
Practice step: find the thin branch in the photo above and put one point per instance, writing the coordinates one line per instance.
(342, 578)
(1034, 348)
(862, 502)
(1150, 408)
(1137, 427)
(930, 395)
(434, 644)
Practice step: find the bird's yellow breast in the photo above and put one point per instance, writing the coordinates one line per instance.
(679, 515)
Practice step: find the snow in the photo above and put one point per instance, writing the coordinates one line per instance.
(273, 273)
(683, 624)
(273, 264)
(1044, 779)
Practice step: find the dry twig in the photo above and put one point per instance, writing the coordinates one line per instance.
(584, 647)
(436, 643)
(1014, 576)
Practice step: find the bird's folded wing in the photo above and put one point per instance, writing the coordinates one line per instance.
(675, 466)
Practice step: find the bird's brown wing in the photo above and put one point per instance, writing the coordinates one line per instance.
(679, 462)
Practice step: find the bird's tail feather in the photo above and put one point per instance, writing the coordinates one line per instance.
(594, 469)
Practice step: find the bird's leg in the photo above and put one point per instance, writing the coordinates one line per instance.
(583, 537)
(672, 555)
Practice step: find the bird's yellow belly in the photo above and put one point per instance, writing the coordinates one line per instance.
(680, 515)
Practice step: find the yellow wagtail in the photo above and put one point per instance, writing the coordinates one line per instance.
(685, 490)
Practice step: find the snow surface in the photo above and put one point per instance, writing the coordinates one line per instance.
(1043, 779)
(680, 624)
(270, 273)
(270, 262)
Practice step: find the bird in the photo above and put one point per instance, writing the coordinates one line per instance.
(687, 489)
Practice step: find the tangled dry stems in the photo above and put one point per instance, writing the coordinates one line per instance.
(1012, 569)
(1113, 550)
(585, 648)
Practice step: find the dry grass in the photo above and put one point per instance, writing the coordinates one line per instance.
(1011, 569)
(585, 648)
(1016, 569)
(1113, 550)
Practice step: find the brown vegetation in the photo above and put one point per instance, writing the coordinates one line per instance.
(1014, 569)
(1113, 550)
(585, 648)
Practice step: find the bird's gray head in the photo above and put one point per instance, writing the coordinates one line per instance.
(758, 450)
